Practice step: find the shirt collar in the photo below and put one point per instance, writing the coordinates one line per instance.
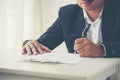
(88, 20)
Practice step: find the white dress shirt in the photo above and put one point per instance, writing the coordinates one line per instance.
(94, 32)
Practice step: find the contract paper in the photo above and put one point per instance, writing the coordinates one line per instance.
(64, 58)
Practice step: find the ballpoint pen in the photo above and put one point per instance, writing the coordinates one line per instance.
(84, 34)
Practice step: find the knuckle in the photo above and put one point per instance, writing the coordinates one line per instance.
(77, 40)
(34, 41)
(76, 46)
(31, 42)
(37, 45)
(32, 47)
(39, 48)
(26, 46)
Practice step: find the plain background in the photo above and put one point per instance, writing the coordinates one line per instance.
(27, 19)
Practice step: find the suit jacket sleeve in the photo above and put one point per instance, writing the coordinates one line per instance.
(53, 36)
(112, 49)
(111, 28)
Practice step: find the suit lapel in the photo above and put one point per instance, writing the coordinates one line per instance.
(79, 25)
(107, 22)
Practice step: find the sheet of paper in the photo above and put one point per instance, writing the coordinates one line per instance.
(55, 57)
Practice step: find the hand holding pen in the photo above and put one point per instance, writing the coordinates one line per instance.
(86, 48)
(84, 35)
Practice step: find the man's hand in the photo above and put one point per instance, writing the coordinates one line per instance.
(88, 49)
(34, 47)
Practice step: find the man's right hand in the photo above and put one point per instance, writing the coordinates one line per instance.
(34, 47)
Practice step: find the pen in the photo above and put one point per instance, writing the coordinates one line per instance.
(84, 34)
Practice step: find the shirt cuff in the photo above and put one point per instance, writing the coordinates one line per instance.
(104, 49)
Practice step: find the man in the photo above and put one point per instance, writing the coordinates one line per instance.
(102, 38)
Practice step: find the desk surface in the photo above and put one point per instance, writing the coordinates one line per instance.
(89, 69)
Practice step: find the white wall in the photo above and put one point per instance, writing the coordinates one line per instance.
(50, 10)
(2, 22)
(19, 20)
(10, 23)
(32, 19)
(26, 19)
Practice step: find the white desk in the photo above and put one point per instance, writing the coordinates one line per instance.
(90, 69)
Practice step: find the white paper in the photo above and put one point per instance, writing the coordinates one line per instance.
(55, 57)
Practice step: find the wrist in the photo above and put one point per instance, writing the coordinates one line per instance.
(101, 51)
(98, 51)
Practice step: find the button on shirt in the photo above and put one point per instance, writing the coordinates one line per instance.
(94, 33)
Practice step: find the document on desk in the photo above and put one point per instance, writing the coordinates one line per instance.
(62, 58)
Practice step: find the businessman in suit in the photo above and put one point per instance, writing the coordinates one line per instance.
(102, 38)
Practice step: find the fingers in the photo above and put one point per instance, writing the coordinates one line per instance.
(82, 46)
(45, 48)
(84, 55)
(38, 46)
(28, 49)
(80, 43)
(41, 48)
(78, 46)
(80, 40)
(23, 51)
(34, 47)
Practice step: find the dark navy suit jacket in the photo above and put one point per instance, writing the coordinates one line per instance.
(70, 24)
